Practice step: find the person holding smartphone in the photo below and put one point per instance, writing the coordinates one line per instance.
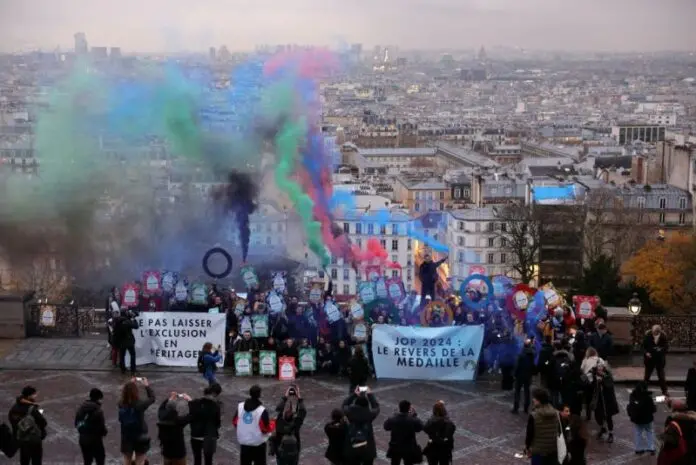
(207, 362)
(285, 442)
(28, 426)
(135, 440)
(361, 409)
(404, 426)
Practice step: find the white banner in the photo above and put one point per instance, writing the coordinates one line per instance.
(176, 338)
(449, 353)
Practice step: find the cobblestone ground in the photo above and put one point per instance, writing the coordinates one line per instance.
(487, 433)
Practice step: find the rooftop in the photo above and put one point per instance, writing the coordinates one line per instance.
(475, 214)
(399, 152)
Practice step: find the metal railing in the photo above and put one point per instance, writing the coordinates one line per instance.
(681, 330)
(59, 320)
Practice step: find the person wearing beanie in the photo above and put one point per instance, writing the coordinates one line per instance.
(28, 426)
(91, 426)
(254, 428)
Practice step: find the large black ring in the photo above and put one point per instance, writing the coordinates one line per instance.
(227, 257)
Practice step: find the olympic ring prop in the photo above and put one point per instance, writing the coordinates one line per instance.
(518, 301)
(481, 304)
(225, 255)
(440, 307)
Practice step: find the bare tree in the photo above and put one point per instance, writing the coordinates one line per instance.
(612, 228)
(519, 235)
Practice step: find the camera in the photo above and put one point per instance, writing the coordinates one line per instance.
(292, 391)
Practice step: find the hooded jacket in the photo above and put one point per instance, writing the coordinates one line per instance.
(20, 409)
(291, 425)
(543, 428)
(93, 416)
(205, 415)
(266, 425)
(170, 426)
(364, 416)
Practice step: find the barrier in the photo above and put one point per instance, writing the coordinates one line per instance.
(449, 353)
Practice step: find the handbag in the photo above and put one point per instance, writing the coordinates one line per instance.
(561, 448)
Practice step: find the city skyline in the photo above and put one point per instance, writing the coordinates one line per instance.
(169, 26)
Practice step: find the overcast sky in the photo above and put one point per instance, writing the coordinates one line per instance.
(172, 25)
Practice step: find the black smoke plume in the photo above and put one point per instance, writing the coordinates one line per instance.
(239, 197)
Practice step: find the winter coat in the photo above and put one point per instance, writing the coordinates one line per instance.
(603, 344)
(605, 396)
(20, 409)
(440, 433)
(403, 428)
(170, 426)
(205, 415)
(358, 371)
(657, 350)
(690, 389)
(291, 426)
(362, 416)
(524, 369)
(91, 413)
(687, 424)
(336, 434)
(123, 332)
(641, 407)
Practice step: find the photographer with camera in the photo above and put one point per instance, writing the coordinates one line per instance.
(361, 409)
(170, 425)
(285, 443)
(124, 340)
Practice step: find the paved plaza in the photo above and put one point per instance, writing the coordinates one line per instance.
(487, 433)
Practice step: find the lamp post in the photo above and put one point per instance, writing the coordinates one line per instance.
(634, 307)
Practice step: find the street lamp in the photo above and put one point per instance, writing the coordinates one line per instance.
(634, 305)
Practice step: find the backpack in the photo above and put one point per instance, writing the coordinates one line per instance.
(131, 424)
(8, 445)
(288, 448)
(82, 424)
(357, 435)
(201, 365)
(28, 431)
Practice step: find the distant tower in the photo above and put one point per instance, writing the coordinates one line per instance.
(81, 46)
(212, 53)
(482, 56)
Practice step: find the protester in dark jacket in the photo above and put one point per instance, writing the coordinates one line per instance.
(690, 388)
(602, 341)
(124, 339)
(655, 347)
(336, 432)
(170, 426)
(576, 436)
(606, 405)
(361, 409)
(641, 411)
(524, 372)
(28, 438)
(343, 356)
(440, 431)
(285, 443)
(326, 359)
(206, 414)
(562, 370)
(358, 369)
(289, 349)
(131, 415)
(403, 427)
(544, 365)
(91, 426)
(542, 430)
(428, 276)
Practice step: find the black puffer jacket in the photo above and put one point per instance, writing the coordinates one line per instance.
(362, 417)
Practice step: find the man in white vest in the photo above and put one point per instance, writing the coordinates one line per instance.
(254, 428)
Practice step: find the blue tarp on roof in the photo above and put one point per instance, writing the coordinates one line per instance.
(551, 193)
